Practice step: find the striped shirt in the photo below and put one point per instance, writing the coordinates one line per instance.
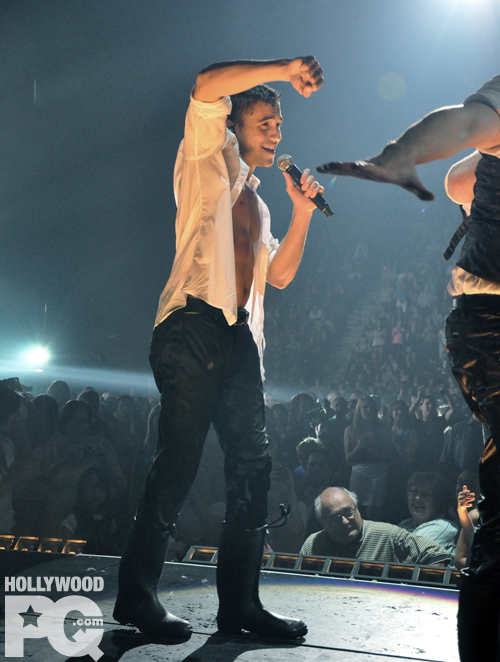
(380, 542)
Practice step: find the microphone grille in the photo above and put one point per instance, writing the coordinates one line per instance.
(284, 161)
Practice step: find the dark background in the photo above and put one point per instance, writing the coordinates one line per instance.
(92, 100)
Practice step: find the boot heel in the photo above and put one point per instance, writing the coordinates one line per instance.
(238, 571)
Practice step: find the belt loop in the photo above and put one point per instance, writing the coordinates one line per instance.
(463, 304)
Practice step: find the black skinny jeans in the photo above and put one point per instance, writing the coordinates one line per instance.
(207, 372)
(473, 339)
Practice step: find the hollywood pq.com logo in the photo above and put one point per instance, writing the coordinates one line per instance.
(34, 616)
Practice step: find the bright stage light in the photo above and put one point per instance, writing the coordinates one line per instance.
(37, 356)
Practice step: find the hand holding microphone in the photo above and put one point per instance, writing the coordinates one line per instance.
(285, 163)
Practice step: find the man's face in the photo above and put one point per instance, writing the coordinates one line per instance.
(428, 409)
(422, 504)
(259, 135)
(340, 517)
(317, 469)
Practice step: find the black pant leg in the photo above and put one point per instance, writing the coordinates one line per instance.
(240, 423)
(187, 358)
(473, 339)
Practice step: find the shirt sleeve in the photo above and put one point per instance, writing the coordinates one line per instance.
(307, 546)
(489, 94)
(272, 248)
(205, 128)
(440, 530)
(410, 548)
(70, 523)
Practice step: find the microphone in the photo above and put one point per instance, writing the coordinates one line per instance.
(285, 163)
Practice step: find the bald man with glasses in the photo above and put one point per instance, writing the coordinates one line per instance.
(345, 534)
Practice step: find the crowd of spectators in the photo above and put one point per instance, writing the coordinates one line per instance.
(68, 463)
(407, 466)
(391, 429)
(399, 343)
(73, 468)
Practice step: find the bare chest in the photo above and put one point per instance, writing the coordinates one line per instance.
(247, 219)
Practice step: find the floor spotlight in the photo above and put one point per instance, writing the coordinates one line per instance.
(37, 356)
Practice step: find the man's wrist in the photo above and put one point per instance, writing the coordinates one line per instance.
(301, 215)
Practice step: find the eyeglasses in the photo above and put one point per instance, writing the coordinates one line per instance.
(337, 519)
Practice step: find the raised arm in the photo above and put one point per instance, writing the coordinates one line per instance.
(285, 263)
(226, 78)
(465, 501)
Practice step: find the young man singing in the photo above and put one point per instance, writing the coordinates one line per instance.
(207, 343)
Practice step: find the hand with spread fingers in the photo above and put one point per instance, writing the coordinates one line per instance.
(465, 500)
(386, 168)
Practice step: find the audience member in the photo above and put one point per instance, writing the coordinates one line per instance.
(60, 391)
(314, 473)
(287, 538)
(468, 516)
(331, 434)
(345, 534)
(93, 518)
(300, 426)
(404, 446)
(428, 499)
(62, 464)
(463, 446)
(367, 453)
(10, 401)
(42, 423)
(429, 429)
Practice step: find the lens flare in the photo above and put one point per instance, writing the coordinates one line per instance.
(37, 356)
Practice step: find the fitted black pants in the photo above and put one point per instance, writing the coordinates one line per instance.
(473, 340)
(207, 372)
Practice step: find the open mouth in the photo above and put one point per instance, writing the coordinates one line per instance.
(269, 150)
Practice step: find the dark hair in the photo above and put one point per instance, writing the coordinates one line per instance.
(359, 424)
(297, 401)
(406, 412)
(91, 398)
(243, 102)
(428, 397)
(69, 410)
(60, 391)
(48, 405)
(307, 447)
(437, 483)
(10, 401)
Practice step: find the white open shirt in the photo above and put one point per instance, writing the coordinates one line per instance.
(208, 178)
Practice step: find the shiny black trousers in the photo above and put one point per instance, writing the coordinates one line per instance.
(207, 372)
(473, 340)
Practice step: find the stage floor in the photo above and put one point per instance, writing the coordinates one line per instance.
(348, 620)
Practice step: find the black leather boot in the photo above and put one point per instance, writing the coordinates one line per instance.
(478, 618)
(137, 603)
(238, 569)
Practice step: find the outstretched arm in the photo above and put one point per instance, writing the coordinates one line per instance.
(440, 134)
(226, 78)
